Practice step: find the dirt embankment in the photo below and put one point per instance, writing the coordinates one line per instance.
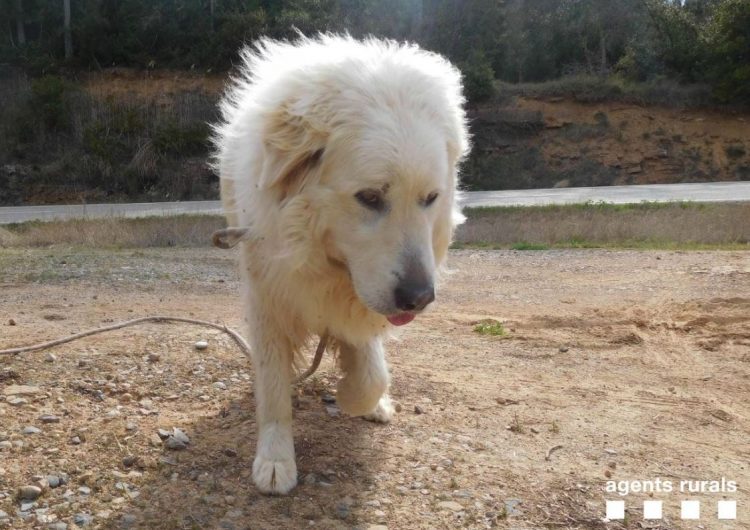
(615, 366)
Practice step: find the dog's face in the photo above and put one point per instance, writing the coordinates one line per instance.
(386, 215)
(376, 198)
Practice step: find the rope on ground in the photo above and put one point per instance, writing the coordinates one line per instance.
(160, 318)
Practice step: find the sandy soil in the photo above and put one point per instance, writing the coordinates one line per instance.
(617, 365)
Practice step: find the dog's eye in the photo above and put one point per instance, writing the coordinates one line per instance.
(371, 199)
(430, 198)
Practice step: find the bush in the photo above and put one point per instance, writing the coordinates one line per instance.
(479, 78)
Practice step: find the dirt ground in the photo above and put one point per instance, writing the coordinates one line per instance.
(617, 365)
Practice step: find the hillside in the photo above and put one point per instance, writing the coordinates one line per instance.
(130, 135)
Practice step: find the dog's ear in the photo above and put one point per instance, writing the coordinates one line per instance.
(293, 149)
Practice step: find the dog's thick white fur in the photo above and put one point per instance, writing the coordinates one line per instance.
(341, 157)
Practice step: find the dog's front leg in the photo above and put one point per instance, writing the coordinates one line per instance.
(274, 469)
(363, 389)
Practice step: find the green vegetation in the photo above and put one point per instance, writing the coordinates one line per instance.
(490, 327)
(517, 41)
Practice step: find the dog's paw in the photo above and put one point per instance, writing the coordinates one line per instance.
(383, 412)
(277, 477)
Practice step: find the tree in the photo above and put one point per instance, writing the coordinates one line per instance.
(66, 30)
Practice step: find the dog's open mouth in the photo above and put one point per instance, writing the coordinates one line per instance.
(401, 319)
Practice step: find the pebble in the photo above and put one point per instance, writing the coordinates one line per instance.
(129, 461)
(344, 507)
(333, 411)
(377, 527)
(564, 349)
(21, 390)
(5, 445)
(26, 506)
(11, 322)
(310, 479)
(76, 440)
(3, 515)
(16, 401)
(54, 481)
(82, 363)
(418, 409)
(450, 505)
(230, 452)
(174, 444)
(328, 398)
(82, 519)
(201, 345)
(154, 357)
(49, 418)
(50, 358)
(178, 434)
(130, 427)
(31, 430)
(163, 434)
(29, 493)
(84, 490)
(610, 451)
(58, 526)
(218, 385)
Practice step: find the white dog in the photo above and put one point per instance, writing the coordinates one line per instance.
(340, 156)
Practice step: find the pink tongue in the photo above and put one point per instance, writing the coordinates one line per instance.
(401, 319)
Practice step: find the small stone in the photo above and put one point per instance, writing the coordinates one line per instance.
(163, 434)
(563, 349)
(180, 435)
(82, 363)
(50, 358)
(154, 357)
(29, 493)
(129, 461)
(310, 479)
(130, 426)
(398, 407)
(82, 519)
(377, 527)
(54, 481)
(75, 440)
(26, 506)
(5, 445)
(610, 451)
(450, 505)
(3, 515)
(11, 322)
(230, 452)
(49, 418)
(328, 398)
(607, 473)
(201, 345)
(31, 430)
(84, 490)
(333, 411)
(128, 520)
(59, 525)
(16, 401)
(174, 444)
(344, 507)
(418, 409)
(155, 440)
(218, 385)
(373, 504)
(21, 390)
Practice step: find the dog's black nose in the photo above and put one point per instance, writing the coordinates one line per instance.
(414, 297)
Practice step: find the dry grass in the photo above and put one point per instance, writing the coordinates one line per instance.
(114, 232)
(650, 225)
(688, 225)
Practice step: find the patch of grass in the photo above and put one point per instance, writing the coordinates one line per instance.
(647, 225)
(115, 232)
(490, 327)
(529, 246)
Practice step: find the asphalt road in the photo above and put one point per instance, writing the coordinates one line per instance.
(700, 192)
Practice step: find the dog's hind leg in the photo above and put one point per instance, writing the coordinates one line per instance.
(274, 468)
(362, 390)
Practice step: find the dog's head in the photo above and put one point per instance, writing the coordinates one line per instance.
(366, 181)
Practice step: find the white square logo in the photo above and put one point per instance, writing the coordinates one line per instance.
(727, 509)
(690, 510)
(652, 509)
(615, 510)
